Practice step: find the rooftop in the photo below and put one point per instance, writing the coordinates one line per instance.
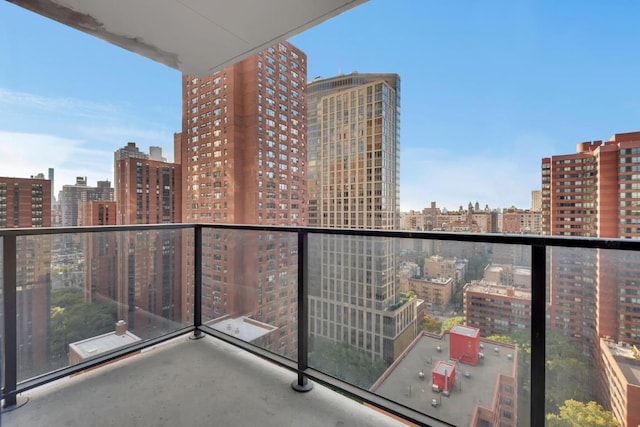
(242, 327)
(474, 384)
(435, 280)
(110, 341)
(491, 288)
(629, 365)
(184, 382)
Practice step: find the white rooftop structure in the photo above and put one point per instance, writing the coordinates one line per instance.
(242, 327)
(104, 343)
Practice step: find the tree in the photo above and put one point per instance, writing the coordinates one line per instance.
(345, 362)
(501, 338)
(568, 373)
(579, 414)
(451, 322)
(73, 319)
(430, 324)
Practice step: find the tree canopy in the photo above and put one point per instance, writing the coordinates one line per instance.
(449, 323)
(430, 324)
(578, 414)
(73, 319)
(345, 362)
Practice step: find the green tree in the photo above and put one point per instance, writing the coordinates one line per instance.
(73, 319)
(345, 362)
(501, 338)
(579, 414)
(568, 372)
(430, 324)
(451, 322)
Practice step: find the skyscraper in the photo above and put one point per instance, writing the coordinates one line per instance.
(594, 295)
(243, 157)
(149, 274)
(354, 125)
(591, 193)
(354, 151)
(147, 191)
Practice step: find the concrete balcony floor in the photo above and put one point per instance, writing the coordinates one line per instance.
(189, 383)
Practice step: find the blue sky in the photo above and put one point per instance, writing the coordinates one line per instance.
(488, 89)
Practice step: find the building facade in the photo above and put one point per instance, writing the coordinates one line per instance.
(353, 173)
(148, 283)
(147, 191)
(26, 202)
(71, 195)
(495, 309)
(595, 294)
(244, 153)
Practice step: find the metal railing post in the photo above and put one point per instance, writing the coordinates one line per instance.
(302, 384)
(538, 333)
(10, 341)
(197, 283)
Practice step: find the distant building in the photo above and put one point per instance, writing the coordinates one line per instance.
(495, 309)
(71, 195)
(93, 213)
(507, 275)
(519, 221)
(149, 264)
(536, 200)
(439, 267)
(432, 290)
(148, 191)
(25, 202)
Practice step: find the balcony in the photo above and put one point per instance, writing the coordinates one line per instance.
(201, 324)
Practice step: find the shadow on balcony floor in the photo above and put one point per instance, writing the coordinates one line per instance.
(189, 383)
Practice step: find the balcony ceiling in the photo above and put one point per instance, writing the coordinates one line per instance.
(196, 37)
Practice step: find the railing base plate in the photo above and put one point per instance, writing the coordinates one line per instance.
(307, 386)
(20, 402)
(196, 335)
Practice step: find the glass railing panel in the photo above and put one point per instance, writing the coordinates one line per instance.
(593, 334)
(84, 295)
(250, 287)
(436, 326)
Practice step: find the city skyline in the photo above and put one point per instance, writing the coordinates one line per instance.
(514, 88)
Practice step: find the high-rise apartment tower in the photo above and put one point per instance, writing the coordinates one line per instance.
(354, 183)
(244, 152)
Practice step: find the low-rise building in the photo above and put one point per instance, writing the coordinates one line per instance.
(481, 395)
(496, 309)
(620, 381)
(433, 290)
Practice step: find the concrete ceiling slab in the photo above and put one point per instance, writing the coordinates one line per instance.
(196, 37)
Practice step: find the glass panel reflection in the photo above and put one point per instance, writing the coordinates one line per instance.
(83, 295)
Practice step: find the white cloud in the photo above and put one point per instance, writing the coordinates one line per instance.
(500, 178)
(26, 154)
(75, 136)
(59, 105)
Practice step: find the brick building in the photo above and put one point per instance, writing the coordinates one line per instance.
(495, 309)
(243, 150)
(26, 202)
